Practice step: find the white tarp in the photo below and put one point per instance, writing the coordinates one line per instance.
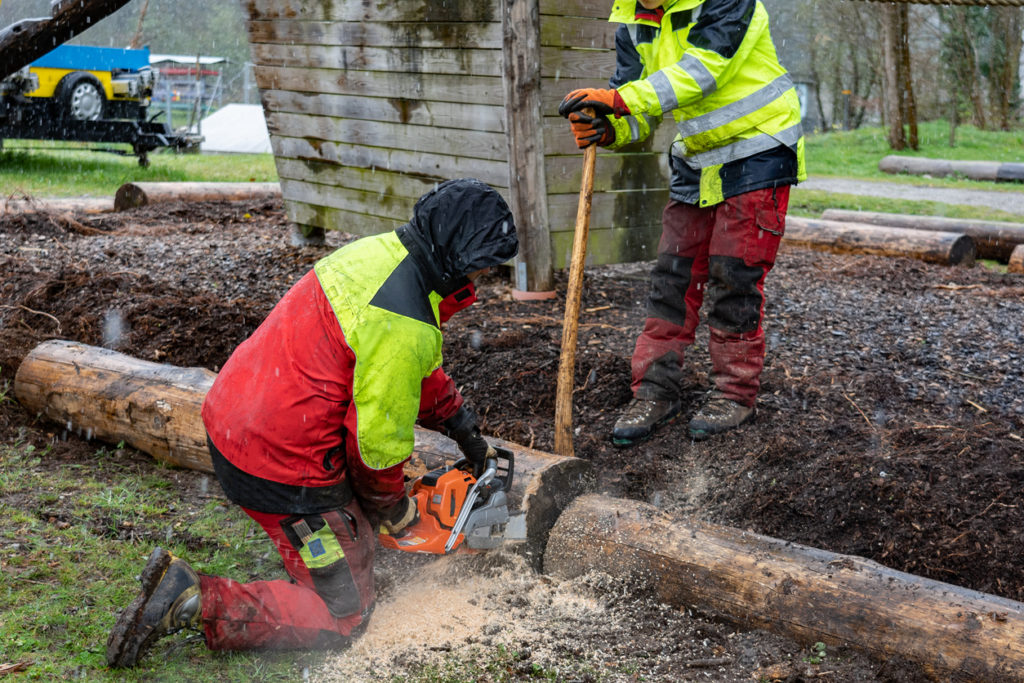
(237, 128)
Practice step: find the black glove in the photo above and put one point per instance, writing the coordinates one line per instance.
(402, 514)
(591, 130)
(463, 429)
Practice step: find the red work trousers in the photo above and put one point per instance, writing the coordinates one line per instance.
(721, 255)
(294, 614)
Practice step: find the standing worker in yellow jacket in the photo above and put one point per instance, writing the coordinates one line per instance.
(739, 147)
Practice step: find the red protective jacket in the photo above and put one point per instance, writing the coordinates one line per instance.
(277, 412)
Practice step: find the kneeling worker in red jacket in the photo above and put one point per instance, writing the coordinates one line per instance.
(311, 421)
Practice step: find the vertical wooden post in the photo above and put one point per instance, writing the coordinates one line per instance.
(520, 22)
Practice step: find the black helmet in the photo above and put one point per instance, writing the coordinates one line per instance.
(461, 226)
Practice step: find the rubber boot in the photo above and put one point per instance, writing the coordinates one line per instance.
(640, 418)
(719, 415)
(170, 601)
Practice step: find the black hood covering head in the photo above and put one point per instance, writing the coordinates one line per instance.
(459, 227)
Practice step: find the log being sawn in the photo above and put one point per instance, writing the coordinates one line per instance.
(132, 195)
(946, 248)
(803, 593)
(755, 581)
(156, 408)
(993, 239)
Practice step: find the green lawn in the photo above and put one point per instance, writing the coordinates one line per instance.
(856, 153)
(39, 169)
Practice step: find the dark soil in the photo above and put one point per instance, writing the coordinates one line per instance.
(890, 423)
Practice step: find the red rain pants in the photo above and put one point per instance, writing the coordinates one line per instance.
(719, 255)
(292, 614)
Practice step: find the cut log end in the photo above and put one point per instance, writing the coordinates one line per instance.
(1016, 264)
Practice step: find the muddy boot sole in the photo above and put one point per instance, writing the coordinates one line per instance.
(124, 647)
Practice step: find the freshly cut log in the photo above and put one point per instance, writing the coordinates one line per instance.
(975, 170)
(131, 195)
(1017, 260)
(947, 248)
(992, 239)
(800, 592)
(155, 408)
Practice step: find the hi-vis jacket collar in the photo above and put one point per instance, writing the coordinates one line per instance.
(632, 12)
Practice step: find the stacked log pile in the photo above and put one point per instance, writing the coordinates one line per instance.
(993, 239)
(952, 249)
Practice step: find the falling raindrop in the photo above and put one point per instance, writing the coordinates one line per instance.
(113, 328)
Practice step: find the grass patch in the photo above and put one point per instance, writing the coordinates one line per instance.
(72, 540)
(856, 153)
(44, 169)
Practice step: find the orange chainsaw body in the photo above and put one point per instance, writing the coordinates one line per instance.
(439, 496)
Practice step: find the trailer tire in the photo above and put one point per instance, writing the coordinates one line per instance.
(79, 97)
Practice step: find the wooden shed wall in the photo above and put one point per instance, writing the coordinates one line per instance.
(371, 104)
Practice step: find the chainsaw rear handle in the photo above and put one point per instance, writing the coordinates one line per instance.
(504, 461)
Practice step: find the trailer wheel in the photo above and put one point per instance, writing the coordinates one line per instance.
(80, 97)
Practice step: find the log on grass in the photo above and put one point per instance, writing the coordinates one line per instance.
(975, 170)
(992, 239)
(800, 592)
(132, 195)
(946, 248)
(1016, 263)
(155, 408)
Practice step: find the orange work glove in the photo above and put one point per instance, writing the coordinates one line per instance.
(603, 102)
(591, 130)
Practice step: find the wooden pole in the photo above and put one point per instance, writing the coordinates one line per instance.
(573, 295)
(946, 248)
(132, 195)
(524, 121)
(155, 408)
(993, 239)
(800, 592)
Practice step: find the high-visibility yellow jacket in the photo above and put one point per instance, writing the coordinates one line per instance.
(712, 64)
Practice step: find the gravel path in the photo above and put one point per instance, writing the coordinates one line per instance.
(1011, 202)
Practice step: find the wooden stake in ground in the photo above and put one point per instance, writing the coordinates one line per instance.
(810, 595)
(573, 294)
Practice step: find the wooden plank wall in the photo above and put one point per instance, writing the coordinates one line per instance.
(369, 105)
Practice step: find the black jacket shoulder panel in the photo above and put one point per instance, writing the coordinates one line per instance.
(722, 25)
(405, 292)
(628, 66)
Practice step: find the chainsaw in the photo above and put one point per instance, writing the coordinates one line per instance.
(458, 511)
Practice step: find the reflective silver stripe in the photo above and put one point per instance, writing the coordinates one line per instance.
(696, 13)
(663, 89)
(631, 28)
(739, 150)
(699, 73)
(736, 110)
(634, 128)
